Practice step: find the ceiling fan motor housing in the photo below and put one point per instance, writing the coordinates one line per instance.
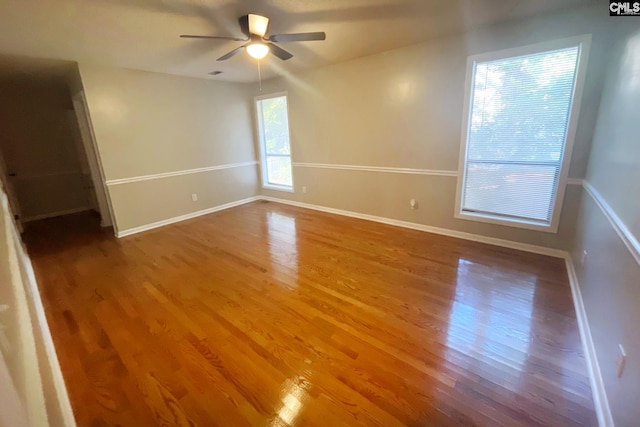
(255, 27)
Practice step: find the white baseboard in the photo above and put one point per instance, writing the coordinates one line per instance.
(600, 401)
(55, 214)
(184, 217)
(557, 253)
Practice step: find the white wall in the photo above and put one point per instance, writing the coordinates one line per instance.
(32, 390)
(403, 109)
(149, 124)
(610, 277)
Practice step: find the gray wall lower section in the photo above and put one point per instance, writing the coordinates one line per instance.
(388, 194)
(609, 283)
(145, 202)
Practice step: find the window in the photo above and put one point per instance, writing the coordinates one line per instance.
(519, 125)
(275, 150)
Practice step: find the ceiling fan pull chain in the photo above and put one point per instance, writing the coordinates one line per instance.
(259, 77)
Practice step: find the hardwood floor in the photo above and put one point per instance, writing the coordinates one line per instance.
(267, 314)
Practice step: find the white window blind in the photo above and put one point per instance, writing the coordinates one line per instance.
(273, 123)
(519, 115)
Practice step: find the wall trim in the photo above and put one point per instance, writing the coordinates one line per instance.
(54, 214)
(625, 234)
(600, 401)
(377, 169)
(119, 181)
(557, 253)
(411, 171)
(184, 217)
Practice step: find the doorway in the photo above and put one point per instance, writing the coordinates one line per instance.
(48, 164)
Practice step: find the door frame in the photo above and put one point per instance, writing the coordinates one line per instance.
(7, 185)
(93, 156)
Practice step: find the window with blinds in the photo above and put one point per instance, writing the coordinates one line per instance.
(275, 149)
(515, 143)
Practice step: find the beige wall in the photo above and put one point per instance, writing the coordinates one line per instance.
(33, 391)
(38, 138)
(614, 166)
(403, 109)
(610, 277)
(141, 203)
(388, 194)
(149, 123)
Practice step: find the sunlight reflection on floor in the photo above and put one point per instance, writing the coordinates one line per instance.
(283, 248)
(482, 321)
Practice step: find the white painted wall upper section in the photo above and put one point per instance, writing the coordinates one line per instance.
(614, 167)
(403, 108)
(148, 123)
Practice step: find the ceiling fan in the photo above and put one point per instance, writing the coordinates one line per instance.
(255, 28)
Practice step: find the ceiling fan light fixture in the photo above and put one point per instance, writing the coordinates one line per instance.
(257, 50)
(258, 24)
(255, 28)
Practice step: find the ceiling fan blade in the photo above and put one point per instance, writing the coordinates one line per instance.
(279, 52)
(244, 25)
(297, 37)
(258, 24)
(191, 36)
(230, 54)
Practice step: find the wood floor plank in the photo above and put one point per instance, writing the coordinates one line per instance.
(267, 314)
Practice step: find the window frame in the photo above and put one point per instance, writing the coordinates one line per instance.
(584, 43)
(264, 177)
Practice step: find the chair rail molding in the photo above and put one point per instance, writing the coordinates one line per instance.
(376, 169)
(621, 229)
(119, 181)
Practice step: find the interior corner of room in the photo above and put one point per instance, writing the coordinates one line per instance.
(133, 144)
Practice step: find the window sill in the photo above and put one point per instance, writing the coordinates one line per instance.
(508, 222)
(278, 187)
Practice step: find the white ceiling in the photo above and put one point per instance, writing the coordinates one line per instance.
(143, 34)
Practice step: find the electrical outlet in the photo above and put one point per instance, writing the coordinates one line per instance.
(413, 203)
(304, 188)
(194, 197)
(621, 360)
(583, 258)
